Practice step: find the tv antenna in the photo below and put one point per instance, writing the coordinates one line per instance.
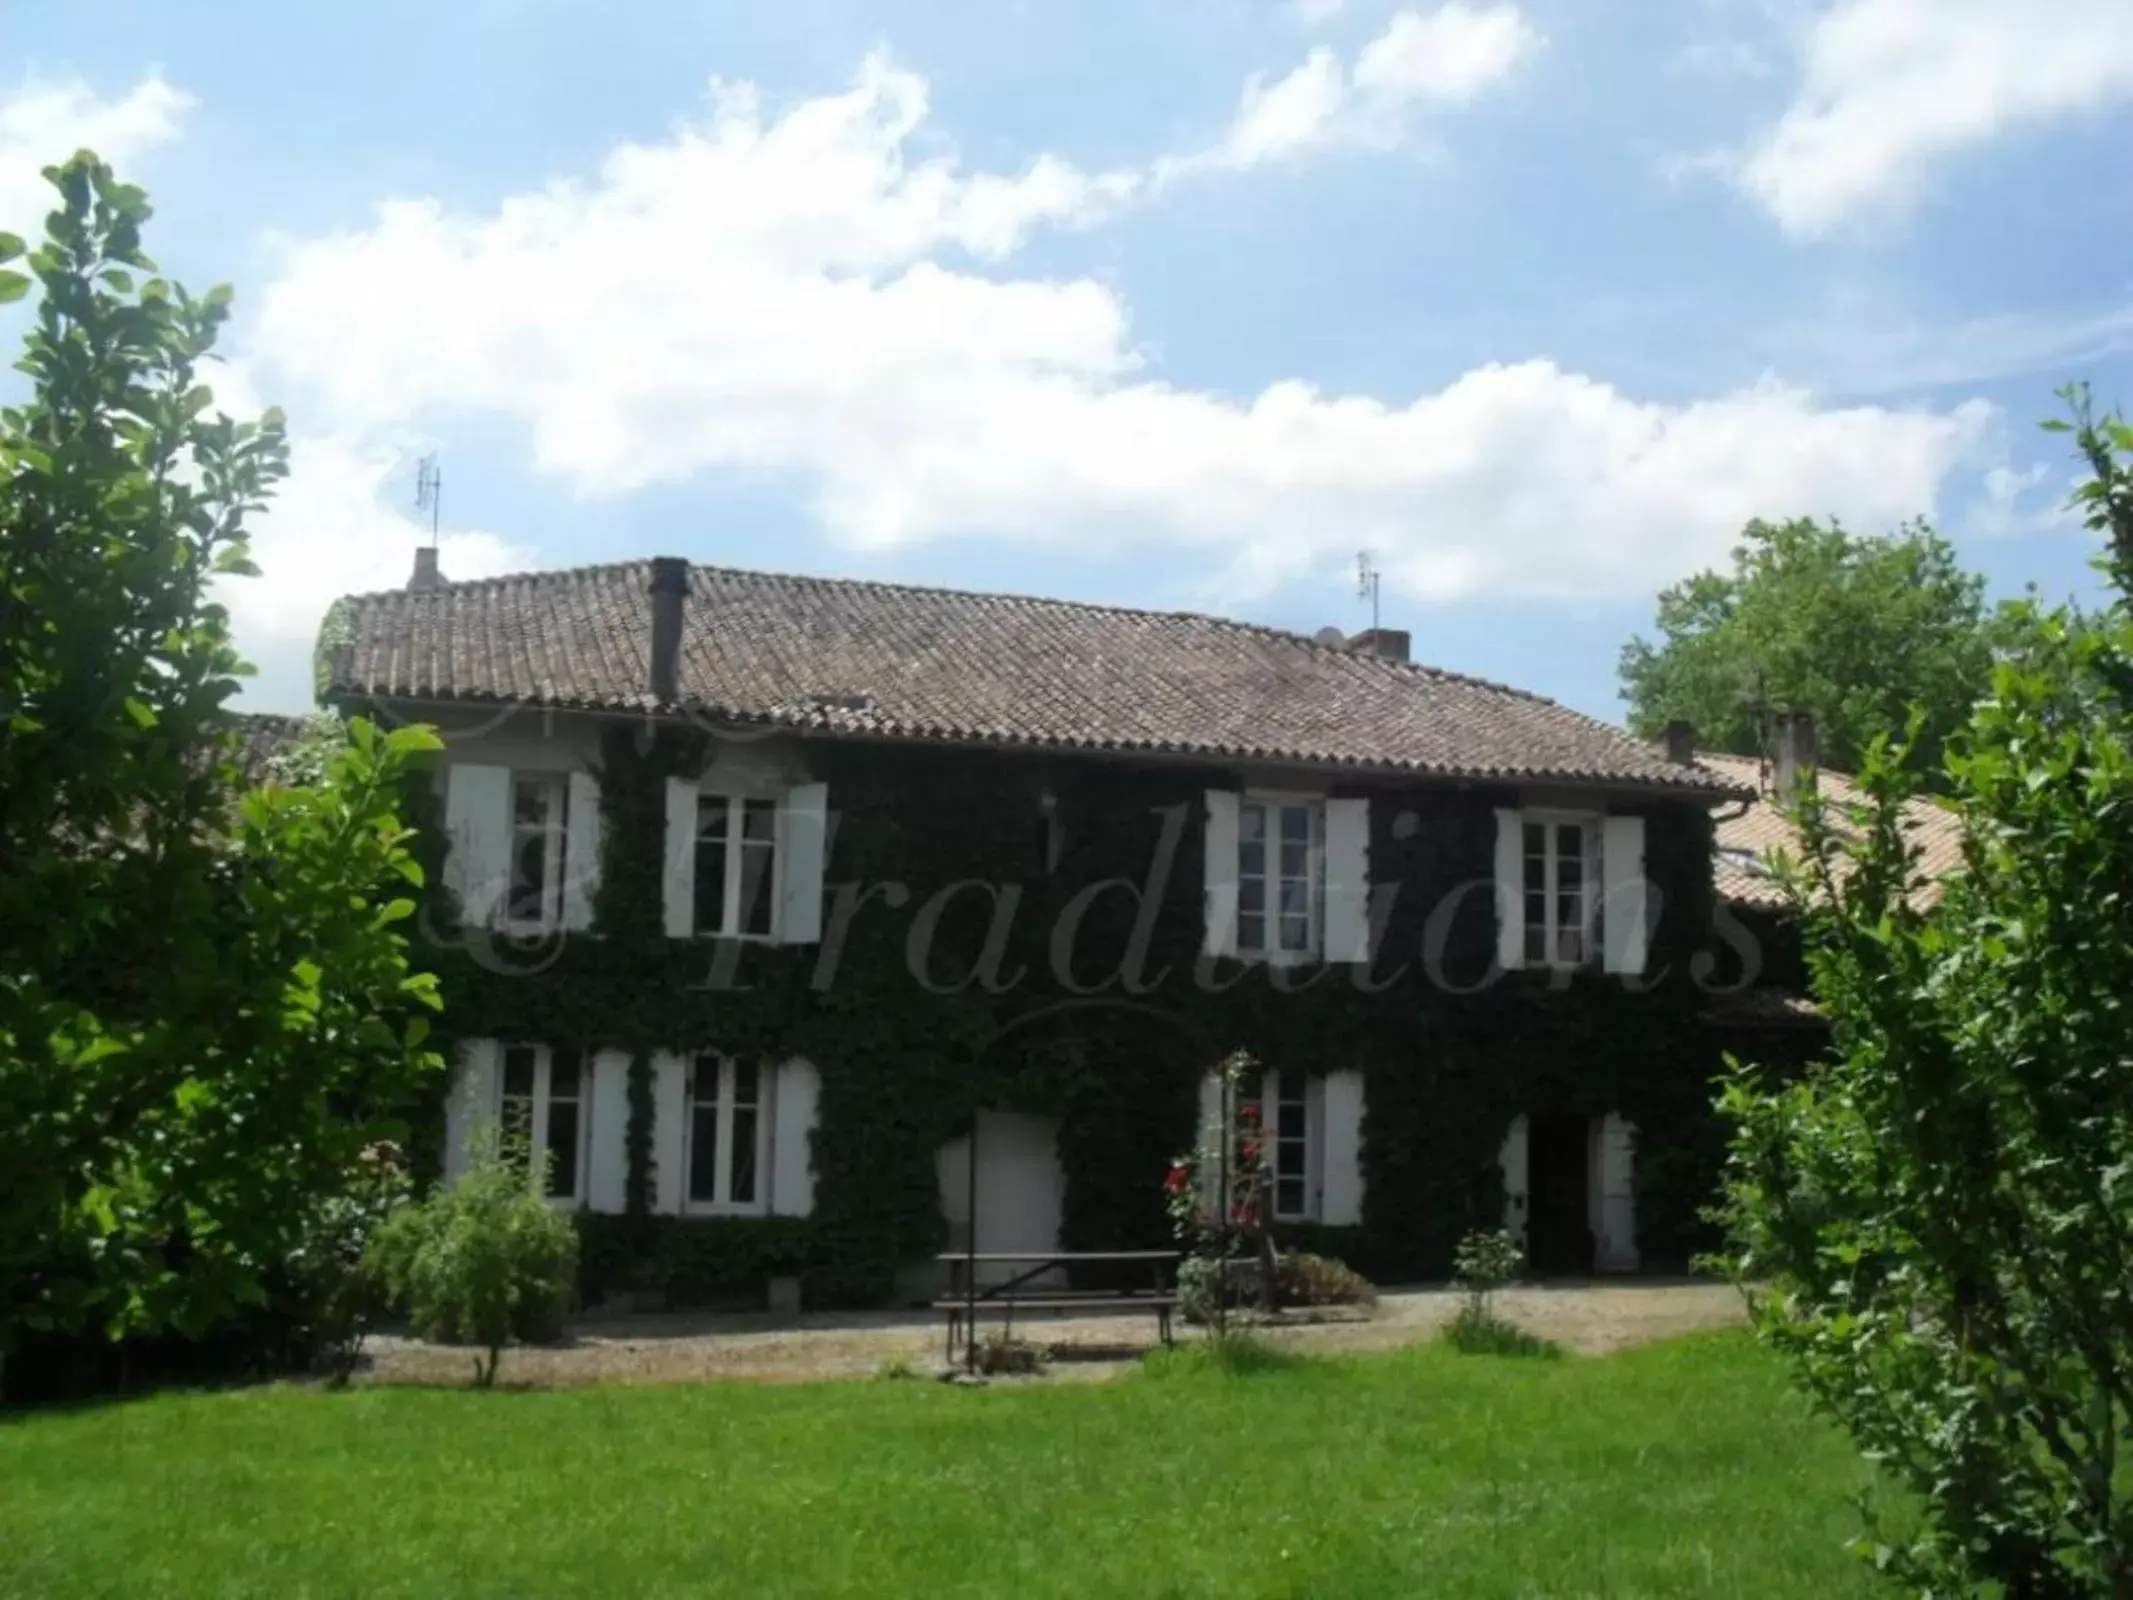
(429, 491)
(1366, 584)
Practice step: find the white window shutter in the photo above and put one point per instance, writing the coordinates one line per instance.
(670, 1112)
(1615, 1227)
(607, 1165)
(1210, 1135)
(1221, 873)
(477, 817)
(792, 1172)
(581, 855)
(679, 879)
(1347, 924)
(803, 834)
(1341, 1187)
(1625, 904)
(1510, 889)
(472, 1104)
(1512, 1159)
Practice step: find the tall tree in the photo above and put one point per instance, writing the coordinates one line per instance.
(1856, 629)
(205, 1003)
(1935, 1226)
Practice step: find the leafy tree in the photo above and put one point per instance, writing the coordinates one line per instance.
(205, 1006)
(1936, 1225)
(1855, 629)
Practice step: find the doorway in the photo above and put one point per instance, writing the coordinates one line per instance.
(1559, 1230)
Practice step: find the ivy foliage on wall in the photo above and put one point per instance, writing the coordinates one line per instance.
(977, 905)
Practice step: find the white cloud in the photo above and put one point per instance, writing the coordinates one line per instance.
(797, 294)
(1442, 59)
(1889, 87)
(45, 122)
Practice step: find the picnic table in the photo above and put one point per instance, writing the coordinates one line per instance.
(966, 1298)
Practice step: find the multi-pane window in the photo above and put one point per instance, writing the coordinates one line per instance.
(538, 834)
(736, 848)
(726, 1133)
(1561, 873)
(1288, 1125)
(1281, 848)
(544, 1113)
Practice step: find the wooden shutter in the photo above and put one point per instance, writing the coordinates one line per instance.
(581, 855)
(1625, 903)
(802, 838)
(471, 1105)
(1512, 1159)
(796, 1090)
(607, 1164)
(1347, 924)
(670, 1111)
(1340, 1143)
(477, 815)
(1510, 889)
(678, 882)
(1220, 937)
(1209, 1137)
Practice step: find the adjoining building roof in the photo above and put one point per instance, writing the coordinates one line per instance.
(1748, 843)
(843, 657)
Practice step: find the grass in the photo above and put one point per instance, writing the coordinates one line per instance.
(1679, 1469)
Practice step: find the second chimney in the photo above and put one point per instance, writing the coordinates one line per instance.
(426, 575)
(1795, 750)
(670, 588)
(1681, 743)
(1390, 643)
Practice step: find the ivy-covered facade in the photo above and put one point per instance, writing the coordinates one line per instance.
(746, 1087)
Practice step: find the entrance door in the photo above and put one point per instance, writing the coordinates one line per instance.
(1559, 1233)
(1020, 1188)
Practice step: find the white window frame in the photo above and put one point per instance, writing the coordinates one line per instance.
(1274, 802)
(1590, 888)
(543, 1098)
(1294, 1088)
(553, 867)
(736, 802)
(726, 1104)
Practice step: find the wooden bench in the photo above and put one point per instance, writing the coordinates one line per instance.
(967, 1299)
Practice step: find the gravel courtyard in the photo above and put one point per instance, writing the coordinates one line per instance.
(683, 1348)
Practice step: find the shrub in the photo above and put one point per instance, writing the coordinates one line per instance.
(1299, 1280)
(1487, 1260)
(1308, 1280)
(1003, 1354)
(483, 1261)
(1235, 1355)
(1480, 1332)
(339, 1296)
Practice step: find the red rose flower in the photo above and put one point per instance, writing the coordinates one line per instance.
(1177, 1178)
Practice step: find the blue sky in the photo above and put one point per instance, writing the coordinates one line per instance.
(1161, 302)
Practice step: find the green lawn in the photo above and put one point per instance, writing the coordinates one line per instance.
(1680, 1469)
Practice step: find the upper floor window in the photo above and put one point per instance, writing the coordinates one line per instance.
(736, 851)
(1280, 877)
(539, 843)
(1560, 857)
(726, 1134)
(543, 1114)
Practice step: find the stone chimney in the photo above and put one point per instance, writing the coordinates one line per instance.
(1681, 743)
(426, 575)
(1795, 750)
(1390, 643)
(670, 588)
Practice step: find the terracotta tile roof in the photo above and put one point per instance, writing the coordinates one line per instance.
(1746, 843)
(890, 660)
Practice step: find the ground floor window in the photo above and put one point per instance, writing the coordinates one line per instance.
(1286, 1114)
(726, 1135)
(544, 1114)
